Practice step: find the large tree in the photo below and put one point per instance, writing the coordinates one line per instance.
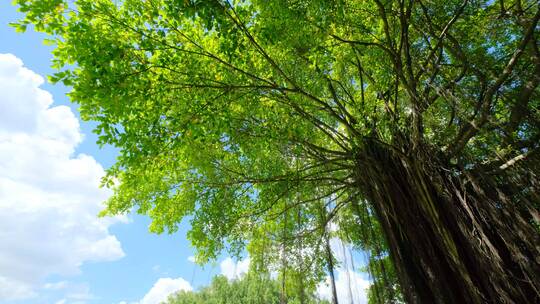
(241, 114)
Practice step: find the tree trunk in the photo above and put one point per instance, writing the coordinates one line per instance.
(454, 236)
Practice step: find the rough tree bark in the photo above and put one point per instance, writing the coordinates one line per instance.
(455, 236)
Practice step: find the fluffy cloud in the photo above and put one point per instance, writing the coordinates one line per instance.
(163, 288)
(234, 270)
(49, 196)
(11, 289)
(351, 287)
(56, 285)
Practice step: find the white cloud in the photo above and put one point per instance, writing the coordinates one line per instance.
(163, 288)
(234, 270)
(56, 285)
(191, 259)
(49, 196)
(11, 289)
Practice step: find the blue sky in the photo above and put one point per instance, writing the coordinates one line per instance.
(52, 247)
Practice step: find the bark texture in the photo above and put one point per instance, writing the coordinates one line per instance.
(456, 236)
